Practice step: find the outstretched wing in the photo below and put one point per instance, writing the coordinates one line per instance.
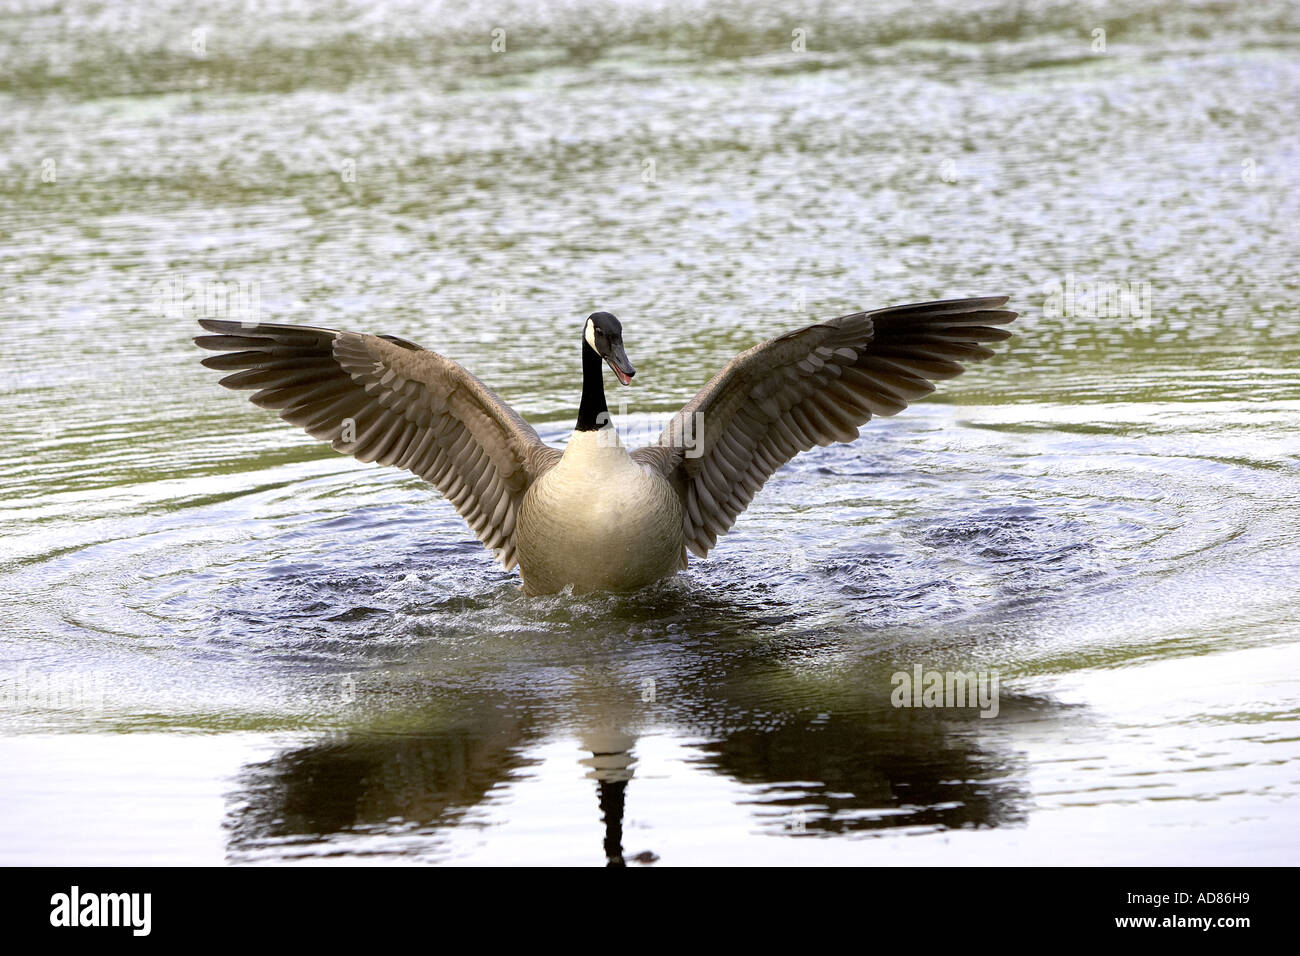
(814, 386)
(383, 399)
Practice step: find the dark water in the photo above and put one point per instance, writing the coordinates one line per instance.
(224, 642)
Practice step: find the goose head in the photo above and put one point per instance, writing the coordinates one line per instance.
(604, 336)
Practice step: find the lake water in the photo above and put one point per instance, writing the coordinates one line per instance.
(224, 642)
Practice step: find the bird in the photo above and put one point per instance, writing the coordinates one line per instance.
(596, 516)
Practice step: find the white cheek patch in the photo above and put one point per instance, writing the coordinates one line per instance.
(590, 335)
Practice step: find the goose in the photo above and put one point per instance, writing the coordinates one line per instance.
(596, 516)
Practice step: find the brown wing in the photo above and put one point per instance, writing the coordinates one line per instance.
(810, 387)
(383, 399)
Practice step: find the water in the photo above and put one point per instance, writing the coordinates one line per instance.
(224, 642)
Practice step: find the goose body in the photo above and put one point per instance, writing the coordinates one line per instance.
(598, 521)
(596, 516)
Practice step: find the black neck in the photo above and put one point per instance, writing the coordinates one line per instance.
(613, 797)
(593, 413)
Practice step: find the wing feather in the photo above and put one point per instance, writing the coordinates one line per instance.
(383, 399)
(812, 386)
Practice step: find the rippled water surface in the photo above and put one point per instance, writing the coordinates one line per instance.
(225, 642)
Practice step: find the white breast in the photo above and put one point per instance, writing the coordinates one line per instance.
(598, 520)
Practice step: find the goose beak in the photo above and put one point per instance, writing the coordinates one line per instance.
(618, 361)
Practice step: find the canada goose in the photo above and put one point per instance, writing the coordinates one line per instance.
(595, 516)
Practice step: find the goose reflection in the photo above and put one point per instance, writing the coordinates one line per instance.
(848, 764)
(610, 766)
